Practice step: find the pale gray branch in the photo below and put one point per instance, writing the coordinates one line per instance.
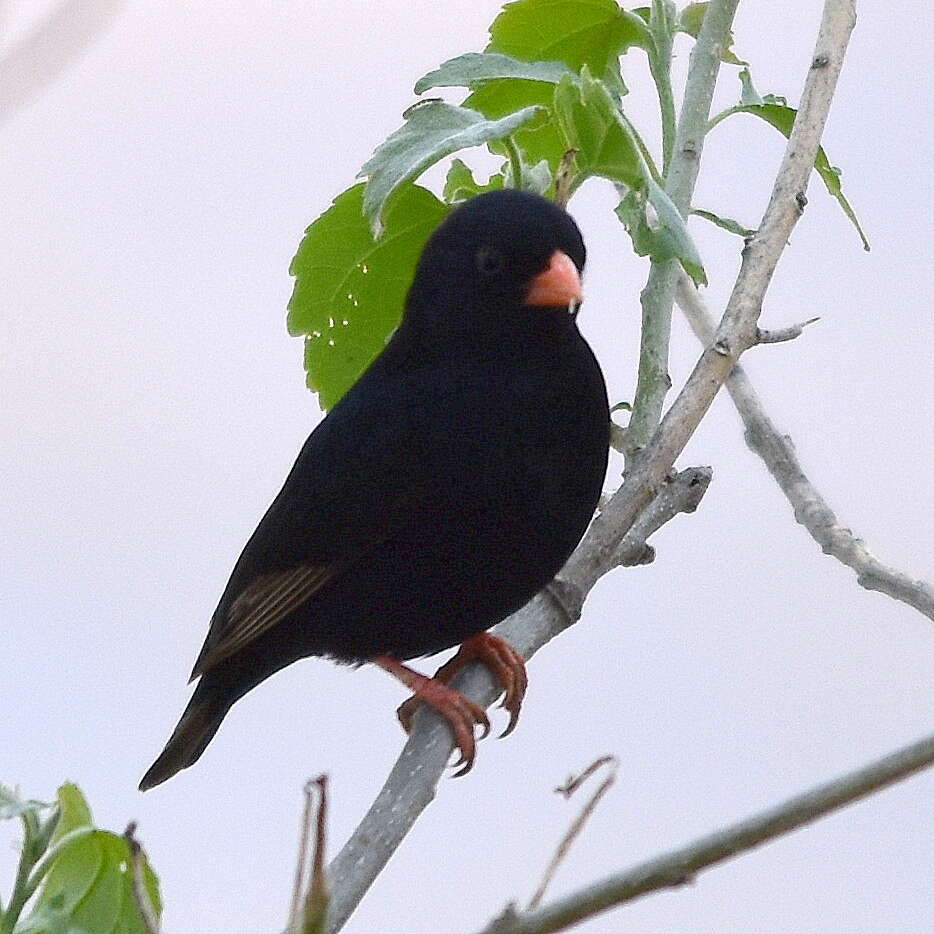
(410, 786)
(811, 510)
(780, 335)
(738, 328)
(679, 866)
(411, 783)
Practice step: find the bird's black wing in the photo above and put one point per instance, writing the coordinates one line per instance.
(352, 483)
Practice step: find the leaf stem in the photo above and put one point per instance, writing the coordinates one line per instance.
(657, 297)
(660, 67)
(27, 859)
(515, 161)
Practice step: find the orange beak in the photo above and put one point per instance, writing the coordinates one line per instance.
(559, 286)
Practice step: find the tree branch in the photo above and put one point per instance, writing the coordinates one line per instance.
(738, 329)
(658, 295)
(679, 866)
(410, 786)
(811, 510)
(411, 783)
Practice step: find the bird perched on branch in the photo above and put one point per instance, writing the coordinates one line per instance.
(447, 487)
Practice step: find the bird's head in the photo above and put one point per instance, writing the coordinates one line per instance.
(502, 256)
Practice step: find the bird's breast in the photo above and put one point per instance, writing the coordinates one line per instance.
(521, 459)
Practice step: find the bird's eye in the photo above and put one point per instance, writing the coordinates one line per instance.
(489, 261)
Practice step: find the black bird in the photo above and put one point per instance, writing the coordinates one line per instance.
(440, 494)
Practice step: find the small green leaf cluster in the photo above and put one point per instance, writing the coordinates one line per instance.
(547, 96)
(72, 877)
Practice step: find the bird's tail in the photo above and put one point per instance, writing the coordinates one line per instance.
(203, 715)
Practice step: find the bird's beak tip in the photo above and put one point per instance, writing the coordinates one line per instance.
(558, 286)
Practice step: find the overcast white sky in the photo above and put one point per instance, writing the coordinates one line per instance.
(152, 403)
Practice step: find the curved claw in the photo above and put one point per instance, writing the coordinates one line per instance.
(461, 714)
(506, 665)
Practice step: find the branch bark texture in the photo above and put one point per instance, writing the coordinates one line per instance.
(679, 866)
(410, 786)
(811, 510)
(658, 295)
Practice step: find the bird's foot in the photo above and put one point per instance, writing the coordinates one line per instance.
(461, 714)
(505, 663)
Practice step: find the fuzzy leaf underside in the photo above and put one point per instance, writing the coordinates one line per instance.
(432, 130)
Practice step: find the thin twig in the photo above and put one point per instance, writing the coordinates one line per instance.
(568, 789)
(295, 909)
(140, 893)
(563, 178)
(308, 911)
(777, 450)
(780, 335)
(316, 902)
(679, 866)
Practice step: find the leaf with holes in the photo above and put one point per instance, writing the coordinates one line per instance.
(350, 288)
(432, 130)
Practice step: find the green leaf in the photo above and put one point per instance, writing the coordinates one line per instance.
(660, 233)
(690, 22)
(587, 115)
(467, 71)
(727, 223)
(543, 36)
(782, 117)
(73, 811)
(461, 185)
(89, 890)
(433, 130)
(350, 288)
(538, 138)
(609, 146)
(577, 32)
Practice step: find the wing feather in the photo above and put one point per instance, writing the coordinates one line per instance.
(262, 604)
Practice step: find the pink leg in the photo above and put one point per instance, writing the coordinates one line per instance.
(506, 664)
(461, 714)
